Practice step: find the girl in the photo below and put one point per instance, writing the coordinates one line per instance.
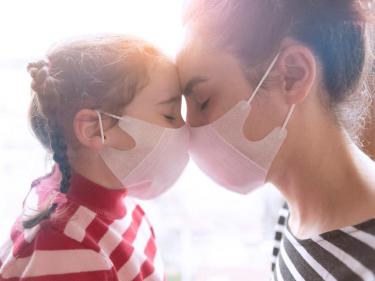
(108, 110)
(273, 88)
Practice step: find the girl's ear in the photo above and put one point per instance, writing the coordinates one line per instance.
(297, 66)
(87, 129)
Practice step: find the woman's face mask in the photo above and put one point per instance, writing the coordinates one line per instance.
(221, 149)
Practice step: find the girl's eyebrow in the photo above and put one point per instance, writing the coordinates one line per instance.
(192, 83)
(174, 99)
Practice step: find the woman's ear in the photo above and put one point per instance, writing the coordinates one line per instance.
(87, 129)
(297, 66)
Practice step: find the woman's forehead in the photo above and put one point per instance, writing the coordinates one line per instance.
(196, 42)
(195, 54)
(197, 59)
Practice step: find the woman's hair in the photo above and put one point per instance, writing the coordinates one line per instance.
(101, 72)
(336, 31)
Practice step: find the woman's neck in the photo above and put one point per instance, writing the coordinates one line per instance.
(369, 133)
(328, 182)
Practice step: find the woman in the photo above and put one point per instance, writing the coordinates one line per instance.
(368, 135)
(275, 94)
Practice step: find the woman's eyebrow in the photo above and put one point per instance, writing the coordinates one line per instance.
(192, 83)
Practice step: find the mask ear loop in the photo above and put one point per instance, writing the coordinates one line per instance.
(112, 115)
(101, 122)
(269, 69)
(287, 119)
(100, 126)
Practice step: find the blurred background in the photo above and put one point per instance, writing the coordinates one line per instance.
(204, 232)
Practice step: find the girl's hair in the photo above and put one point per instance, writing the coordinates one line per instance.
(337, 32)
(102, 72)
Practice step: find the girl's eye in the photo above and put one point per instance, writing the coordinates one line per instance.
(204, 105)
(169, 117)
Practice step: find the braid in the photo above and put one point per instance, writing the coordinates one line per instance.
(60, 156)
(39, 125)
(44, 120)
(47, 103)
(45, 214)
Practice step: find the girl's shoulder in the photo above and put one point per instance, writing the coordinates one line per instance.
(46, 251)
(43, 188)
(79, 239)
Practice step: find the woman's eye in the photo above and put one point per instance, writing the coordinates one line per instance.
(204, 105)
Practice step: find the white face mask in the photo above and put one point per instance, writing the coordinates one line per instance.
(154, 164)
(222, 151)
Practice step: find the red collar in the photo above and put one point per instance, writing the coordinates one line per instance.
(101, 200)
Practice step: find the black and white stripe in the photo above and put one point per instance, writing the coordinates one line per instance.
(345, 254)
(279, 232)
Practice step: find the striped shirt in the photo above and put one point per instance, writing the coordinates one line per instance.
(345, 254)
(95, 234)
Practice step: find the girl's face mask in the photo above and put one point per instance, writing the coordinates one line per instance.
(154, 164)
(222, 151)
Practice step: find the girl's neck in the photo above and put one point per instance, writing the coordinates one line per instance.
(93, 168)
(328, 182)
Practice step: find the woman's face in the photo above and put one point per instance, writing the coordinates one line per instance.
(213, 81)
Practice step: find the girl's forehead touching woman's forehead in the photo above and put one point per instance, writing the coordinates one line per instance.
(164, 85)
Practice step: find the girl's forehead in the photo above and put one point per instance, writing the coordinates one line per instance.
(163, 82)
(163, 67)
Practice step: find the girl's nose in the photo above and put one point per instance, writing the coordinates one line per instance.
(195, 119)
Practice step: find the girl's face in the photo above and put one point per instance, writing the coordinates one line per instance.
(159, 102)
